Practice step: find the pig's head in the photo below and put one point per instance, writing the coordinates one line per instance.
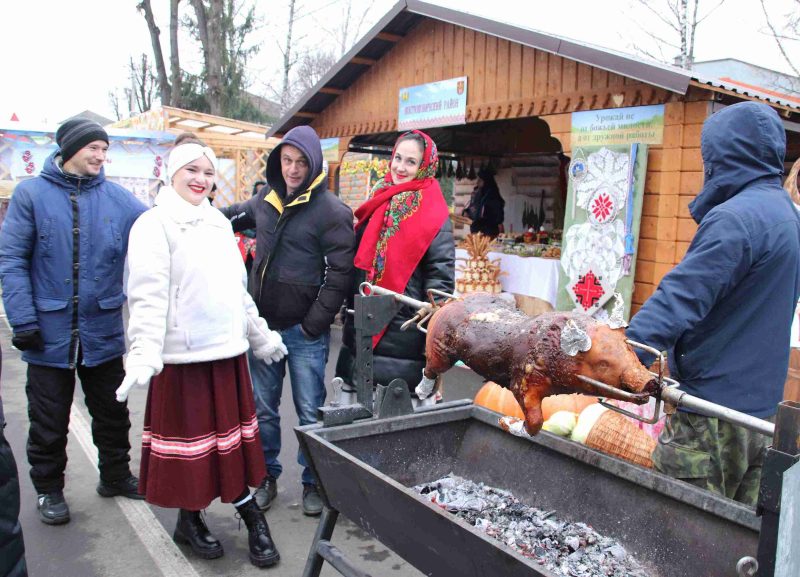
(611, 360)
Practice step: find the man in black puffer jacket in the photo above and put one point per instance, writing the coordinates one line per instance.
(12, 549)
(301, 273)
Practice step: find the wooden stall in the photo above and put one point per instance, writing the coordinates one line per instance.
(522, 90)
(241, 146)
(134, 160)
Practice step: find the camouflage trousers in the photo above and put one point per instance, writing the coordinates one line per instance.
(713, 455)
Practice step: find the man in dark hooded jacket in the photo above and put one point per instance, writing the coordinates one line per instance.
(724, 313)
(300, 275)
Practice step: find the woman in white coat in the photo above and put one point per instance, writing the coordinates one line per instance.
(191, 323)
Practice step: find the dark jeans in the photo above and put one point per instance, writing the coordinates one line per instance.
(50, 393)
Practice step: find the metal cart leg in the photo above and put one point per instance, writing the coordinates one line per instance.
(783, 454)
(327, 522)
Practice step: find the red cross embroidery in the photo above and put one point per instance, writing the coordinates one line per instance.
(601, 207)
(588, 290)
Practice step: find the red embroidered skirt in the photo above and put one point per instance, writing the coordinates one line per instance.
(200, 438)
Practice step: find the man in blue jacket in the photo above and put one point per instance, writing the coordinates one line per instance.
(724, 313)
(62, 252)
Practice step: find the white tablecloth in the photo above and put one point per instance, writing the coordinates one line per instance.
(529, 276)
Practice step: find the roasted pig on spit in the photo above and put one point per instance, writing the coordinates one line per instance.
(534, 357)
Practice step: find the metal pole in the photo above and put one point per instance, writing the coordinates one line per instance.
(368, 289)
(783, 454)
(681, 399)
(324, 532)
(338, 561)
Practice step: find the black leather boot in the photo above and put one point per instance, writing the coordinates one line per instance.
(191, 530)
(262, 549)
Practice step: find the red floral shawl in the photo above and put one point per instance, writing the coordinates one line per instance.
(400, 222)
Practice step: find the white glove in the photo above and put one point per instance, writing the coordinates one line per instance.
(273, 351)
(135, 376)
(425, 387)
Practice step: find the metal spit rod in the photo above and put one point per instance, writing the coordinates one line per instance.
(367, 289)
(681, 399)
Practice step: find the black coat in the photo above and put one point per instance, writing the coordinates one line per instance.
(12, 549)
(304, 244)
(401, 354)
(487, 212)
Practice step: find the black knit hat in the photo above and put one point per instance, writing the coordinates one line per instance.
(76, 133)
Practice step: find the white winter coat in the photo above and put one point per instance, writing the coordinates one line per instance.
(186, 288)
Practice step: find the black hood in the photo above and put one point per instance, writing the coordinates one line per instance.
(307, 141)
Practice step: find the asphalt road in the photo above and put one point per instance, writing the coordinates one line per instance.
(120, 537)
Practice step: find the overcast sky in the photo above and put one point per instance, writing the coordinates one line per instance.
(62, 57)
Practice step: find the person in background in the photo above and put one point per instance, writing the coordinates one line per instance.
(12, 547)
(62, 254)
(191, 322)
(792, 183)
(486, 205)
(247, 238)
(301, 273)
(723, 314)
(405, 244)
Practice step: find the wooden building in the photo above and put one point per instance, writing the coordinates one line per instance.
(523, 87)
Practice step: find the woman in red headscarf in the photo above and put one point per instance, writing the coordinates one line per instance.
(405, 244)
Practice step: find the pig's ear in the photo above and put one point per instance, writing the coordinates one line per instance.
(574, 339)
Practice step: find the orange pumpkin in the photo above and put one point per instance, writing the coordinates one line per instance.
(496, 398)
(574, 403)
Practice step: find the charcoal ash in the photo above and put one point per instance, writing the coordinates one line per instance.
(562, 547)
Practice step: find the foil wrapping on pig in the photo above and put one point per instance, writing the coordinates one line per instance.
(563, 548)
(574, 339)
(615, 320)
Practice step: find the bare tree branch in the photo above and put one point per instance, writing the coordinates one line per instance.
(163, 82)
(709, 13)
(777, 41)
(287, 58)
(647, 4)
(174, 55)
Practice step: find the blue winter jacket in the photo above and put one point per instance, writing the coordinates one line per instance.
(724, 313)
(72, 293)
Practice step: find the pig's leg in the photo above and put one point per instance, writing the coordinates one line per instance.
(438, 358)
(529, 394)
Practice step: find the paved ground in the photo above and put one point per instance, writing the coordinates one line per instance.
(120, 537)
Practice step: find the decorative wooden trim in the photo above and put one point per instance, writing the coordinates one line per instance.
(302, 114)
(362, 60)
(522, 108)
(334, 91)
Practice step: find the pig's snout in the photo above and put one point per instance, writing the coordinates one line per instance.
(639, 380)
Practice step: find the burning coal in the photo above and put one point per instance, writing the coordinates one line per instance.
(563, 548)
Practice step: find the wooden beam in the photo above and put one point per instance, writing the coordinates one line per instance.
(306, 114)
(178, 114)
(388, 37)
(364, 61)
(334, 91)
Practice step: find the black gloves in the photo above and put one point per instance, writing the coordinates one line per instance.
(28, 340)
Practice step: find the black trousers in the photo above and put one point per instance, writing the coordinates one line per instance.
(50, 391)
